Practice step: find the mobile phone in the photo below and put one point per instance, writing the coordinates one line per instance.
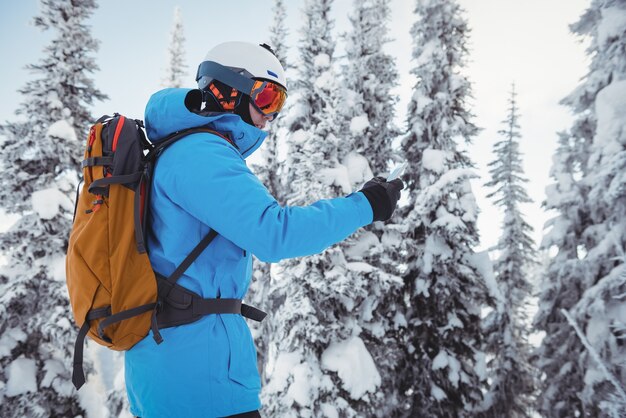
(396, 172)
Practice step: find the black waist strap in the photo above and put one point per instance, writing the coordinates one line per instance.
(215, 306)
(178, 305)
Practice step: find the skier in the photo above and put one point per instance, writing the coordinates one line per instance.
(208, 368)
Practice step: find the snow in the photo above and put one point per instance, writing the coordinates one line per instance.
(48, 202)
(558, 228)
(360, 267)
(337, 176)
(57, 268)
(53, 100)
(329, 411)
(469, 206)
(481, 365)
(324, 80)
(597, 328)
(437, 392)
(448, 221)
(443, 360)
(281, 369)
(354, 366)
(435, 246)
(10, 339)
(295, 110)
(358, 168)
(391, 238)
(421, 286)
(421, 101)
(435, 160)
(454, 369)
(22, 376)
(602, 370)
(62, 129)
(431, 195)
(427, 52)
(612, 24)
(453, 321)
(7, 220)
(321, 61)
(359, 124)
(52, 369)
(362, 246)
(440, 361)
(299, 137)
(611, 113)
(399, 320)
(484, 266)
(301, 390)
(92, 399)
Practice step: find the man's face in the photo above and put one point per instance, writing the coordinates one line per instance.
(258, 118)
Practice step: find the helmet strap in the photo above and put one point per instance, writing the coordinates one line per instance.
(243, 109)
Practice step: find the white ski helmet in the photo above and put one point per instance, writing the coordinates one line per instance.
(243, 59)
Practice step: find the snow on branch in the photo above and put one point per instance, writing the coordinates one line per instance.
(609, 376)
(431, 196)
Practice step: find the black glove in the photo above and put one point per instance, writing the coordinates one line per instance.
(383, 196)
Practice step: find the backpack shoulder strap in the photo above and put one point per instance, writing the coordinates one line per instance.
(192, 256)
(161, 145)
(195, 253)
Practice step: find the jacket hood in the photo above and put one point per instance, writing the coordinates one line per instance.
(173, 110)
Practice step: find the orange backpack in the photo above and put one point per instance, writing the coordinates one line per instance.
(116, 296)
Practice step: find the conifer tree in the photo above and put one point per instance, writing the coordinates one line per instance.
(176, 70)
(584, 374)
(269, 171)
(369, 77)
(512, 378)
(442, 370)
(40, 157)
(63, 90)
(316, 297)
(560, 351)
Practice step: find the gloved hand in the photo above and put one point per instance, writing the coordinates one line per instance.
(383, 196)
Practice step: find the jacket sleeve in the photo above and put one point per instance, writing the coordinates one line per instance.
(210, 180)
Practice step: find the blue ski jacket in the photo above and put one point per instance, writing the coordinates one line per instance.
(209, 368)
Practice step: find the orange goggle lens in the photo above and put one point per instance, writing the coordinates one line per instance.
(268, 97)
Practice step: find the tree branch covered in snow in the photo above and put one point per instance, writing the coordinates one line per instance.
(608, 375)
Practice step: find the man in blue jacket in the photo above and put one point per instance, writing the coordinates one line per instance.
(201, 183)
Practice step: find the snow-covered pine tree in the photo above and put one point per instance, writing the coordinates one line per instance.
(64, 68)
(176, 70)
(559, 354)
(317, 362)
(269, 171)
(369, 77)
(39, 160)
(596, 287)
(512, 379)
(442, 372)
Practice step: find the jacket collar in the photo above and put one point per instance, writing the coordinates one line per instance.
(173, 110)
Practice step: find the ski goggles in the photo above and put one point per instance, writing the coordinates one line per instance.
(266, 96)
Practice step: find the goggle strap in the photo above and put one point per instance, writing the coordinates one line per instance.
(226, 103)
(225, 75)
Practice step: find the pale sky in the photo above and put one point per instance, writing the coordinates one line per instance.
(526, 42)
